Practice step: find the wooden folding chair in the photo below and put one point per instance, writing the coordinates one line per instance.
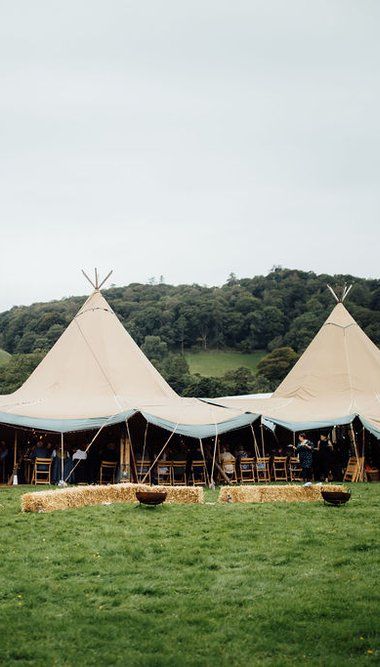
(198, 473)
(354, 469)
(143, 468)
(280, 469)
(41, 471)
(107, 472)
(247, 470)
(179, 473)
(351, 470)
(164, 473)
(263, 469)
(295, 470)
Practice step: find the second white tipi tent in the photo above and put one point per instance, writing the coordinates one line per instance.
(336, 379)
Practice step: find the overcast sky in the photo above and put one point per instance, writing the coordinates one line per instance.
(186, 138)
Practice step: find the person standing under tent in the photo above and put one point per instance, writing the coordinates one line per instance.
(3, 461)
(305, 450)
(57, 466)
(79, 476)
(227, 461)
(325, 450)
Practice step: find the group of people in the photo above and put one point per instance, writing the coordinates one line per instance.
(321, 461)
(74, 465)
(315, 460)
(62, 464)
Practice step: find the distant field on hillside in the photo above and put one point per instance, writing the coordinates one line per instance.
(4, 357)
(214, 363)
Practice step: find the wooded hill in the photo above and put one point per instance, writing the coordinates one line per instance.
(286, 307)
(283, 309)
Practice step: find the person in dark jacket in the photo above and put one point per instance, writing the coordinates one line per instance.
(305, 449)
(325, 451)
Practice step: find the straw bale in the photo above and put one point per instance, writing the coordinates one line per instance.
(239, 494)
(81, 496)
(183, 494)
(272, 493)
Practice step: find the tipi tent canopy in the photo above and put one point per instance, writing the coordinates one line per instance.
(336, 379)
(96, 375)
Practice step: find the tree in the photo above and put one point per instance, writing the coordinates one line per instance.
(154, 348)
(243, 381)
(303, 330)
(276, 365)
(176, 372)
(204, 387)
(17, 370)
(286, 307)
(232, 279)
(181, 332)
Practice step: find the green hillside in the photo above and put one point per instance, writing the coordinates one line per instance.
(215, 363)
(4, 357)
(284, 308)
(236, 322)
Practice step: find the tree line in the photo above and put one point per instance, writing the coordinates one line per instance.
(279, 313)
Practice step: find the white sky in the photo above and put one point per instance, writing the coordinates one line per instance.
(186, 138)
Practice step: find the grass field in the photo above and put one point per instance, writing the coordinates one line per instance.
(215, 363)
(191, 585)
(4, 357)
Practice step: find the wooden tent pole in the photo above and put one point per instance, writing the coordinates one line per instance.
(15, 450)
(122, 450)
(127, 458)
(214, 458)
(125, 467)
(62, 459)
(222, 473)
(262, 439)
(363, 457)
(204, 461)
(131, 450)
(144, 447)
(256, 449)
(353, 436)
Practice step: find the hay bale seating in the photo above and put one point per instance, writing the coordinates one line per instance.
(82, 496)
(269, 494)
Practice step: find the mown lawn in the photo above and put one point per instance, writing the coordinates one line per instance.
(214, 363)
(191, 585)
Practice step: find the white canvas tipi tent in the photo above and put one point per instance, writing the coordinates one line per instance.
(336, 379)
(95, 374)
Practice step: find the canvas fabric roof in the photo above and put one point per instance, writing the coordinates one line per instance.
(96, 374)
(336, 379)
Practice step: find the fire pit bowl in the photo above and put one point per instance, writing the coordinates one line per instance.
(151, 497)
(336, 497)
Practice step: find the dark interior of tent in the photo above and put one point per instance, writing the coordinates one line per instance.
(138, 451)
